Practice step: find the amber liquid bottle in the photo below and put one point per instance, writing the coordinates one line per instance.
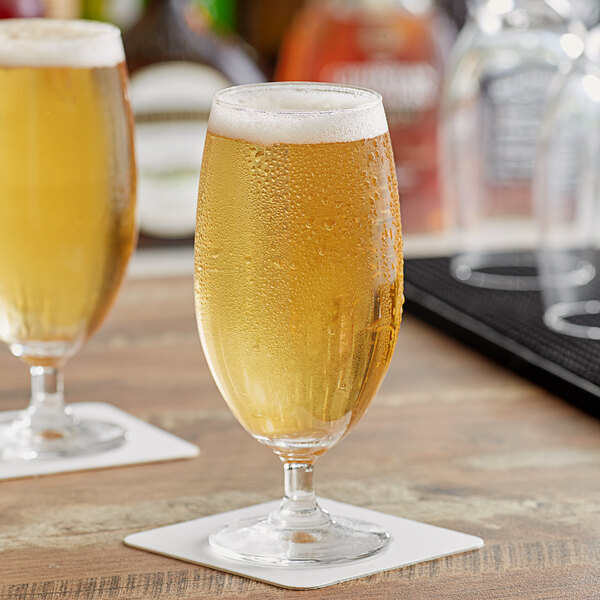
(176, 65)
(397, 52)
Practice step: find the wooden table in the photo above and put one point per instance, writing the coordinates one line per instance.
(452, 439)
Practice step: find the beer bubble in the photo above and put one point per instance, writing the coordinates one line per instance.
(302, 241)
(329, 114)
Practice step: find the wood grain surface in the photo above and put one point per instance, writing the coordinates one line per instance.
(451, 439)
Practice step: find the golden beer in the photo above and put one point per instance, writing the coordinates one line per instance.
(67, 191)
(298, 280)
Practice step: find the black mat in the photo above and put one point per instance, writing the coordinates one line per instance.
(508, 327)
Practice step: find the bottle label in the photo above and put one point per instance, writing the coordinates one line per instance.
(407, 87)
(171, 103)
(513, 106)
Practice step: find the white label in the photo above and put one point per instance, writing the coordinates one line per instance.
(514, 104)
(171, 103)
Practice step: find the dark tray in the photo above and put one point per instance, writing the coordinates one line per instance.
(507, 327)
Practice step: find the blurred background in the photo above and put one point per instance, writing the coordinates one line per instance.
(179, 52)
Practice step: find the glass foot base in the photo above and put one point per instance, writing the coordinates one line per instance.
(261, 540)
(19, 440)
(510, 271)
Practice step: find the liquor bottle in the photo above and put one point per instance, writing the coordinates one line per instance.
(497, 81)
(10, 9)
(396, 48)
(174, 74)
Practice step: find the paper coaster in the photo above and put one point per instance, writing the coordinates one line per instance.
(146, 444)
(411, 542)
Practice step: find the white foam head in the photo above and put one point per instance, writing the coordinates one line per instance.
(297, 113)
(55, 43)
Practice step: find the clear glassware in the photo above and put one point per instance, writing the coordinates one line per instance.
(298, 289)
(67, 222)
(567, 194)
(494, 93)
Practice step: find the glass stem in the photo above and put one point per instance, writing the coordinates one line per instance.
(47, 410)
(47, 390)
(299, 508)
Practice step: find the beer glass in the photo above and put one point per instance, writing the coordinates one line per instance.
(494, 95)
(567, 194)
(298, 291)
(67, 223)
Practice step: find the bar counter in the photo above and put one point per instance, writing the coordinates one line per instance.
(451, 439)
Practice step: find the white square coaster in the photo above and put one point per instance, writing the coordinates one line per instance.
(411, 542)
(146, 444)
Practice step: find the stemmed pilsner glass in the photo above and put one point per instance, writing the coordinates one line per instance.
(67, 223)
(298, 288)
